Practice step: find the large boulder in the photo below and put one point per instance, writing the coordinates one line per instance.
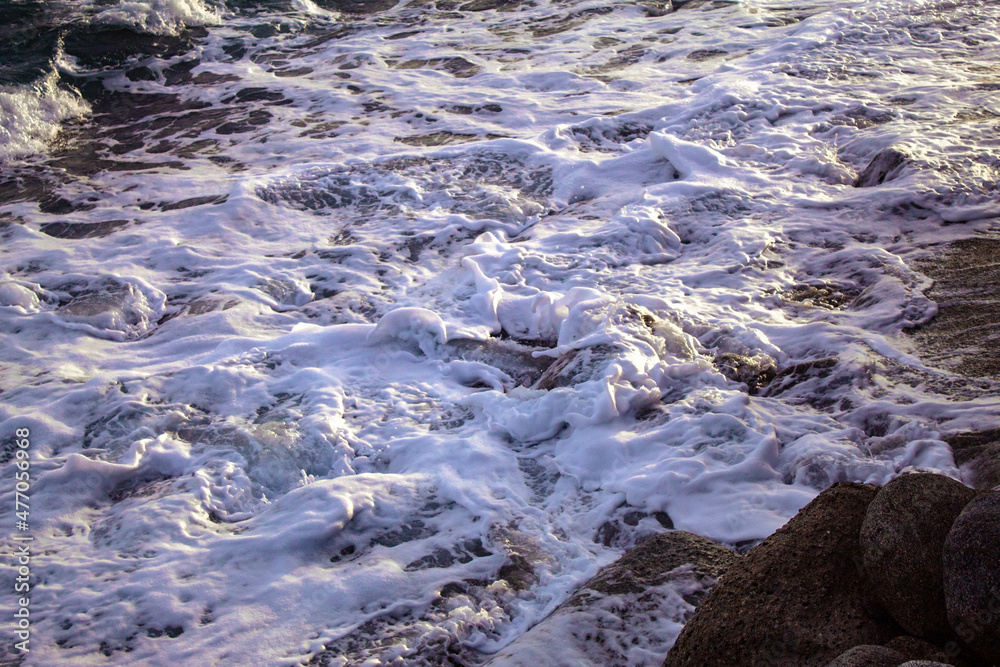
(869, 656)
(972, 575)
(902, 539)
(630, 612)
(799, 598)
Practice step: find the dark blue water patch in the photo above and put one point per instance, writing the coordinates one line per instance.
(29, 38)
(32, 32)
(107, 46)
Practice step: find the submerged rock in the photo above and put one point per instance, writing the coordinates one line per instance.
(964, 336)
(630, 611)
(902, 539)
(652, 562)
(755, 371)
(885, 166)
(798, 598)
(972, 575)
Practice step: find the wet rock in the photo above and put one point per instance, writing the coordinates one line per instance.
(972, 575)
(815, 382)
(656, 8)
(869, 655)
(515, 359)
(755, 371)
(885, 166)
(617, 532)
(798, 598)
(631, 607)
(608, 137)
(523, 554)
(829, 297)
(979, 453)
(964, 336)
(576, 366)
(650, 563)
(902, 539)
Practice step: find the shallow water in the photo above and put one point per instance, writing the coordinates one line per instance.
(372, 335)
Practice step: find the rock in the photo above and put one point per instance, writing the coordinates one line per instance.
(923, 663)
(978, 452)
(869, 655)
(651, 562)
(964, 336)
(902, 538)
(755, 371)
(885, 166)
(630, 610)
(656, 8)
(512, 357)
(914, 648)
(798, 598)
(576, 366)
(972, 575)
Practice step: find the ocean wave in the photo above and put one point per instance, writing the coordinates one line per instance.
(159, 17)
(31, 116)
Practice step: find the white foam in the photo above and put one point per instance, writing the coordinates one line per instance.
(31, 116)
(159, 17)
(323, 409)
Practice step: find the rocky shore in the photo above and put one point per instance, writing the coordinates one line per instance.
(862, 577)
(907, 574)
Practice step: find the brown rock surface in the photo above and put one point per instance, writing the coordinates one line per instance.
(798, 598)
(902, 539)
(972, 575)
(965, 334)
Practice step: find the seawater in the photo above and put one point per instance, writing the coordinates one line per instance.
(363, 333)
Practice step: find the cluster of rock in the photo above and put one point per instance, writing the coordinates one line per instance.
(862, 577)
(907, 574)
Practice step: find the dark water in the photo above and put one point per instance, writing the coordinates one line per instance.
(29, 38)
